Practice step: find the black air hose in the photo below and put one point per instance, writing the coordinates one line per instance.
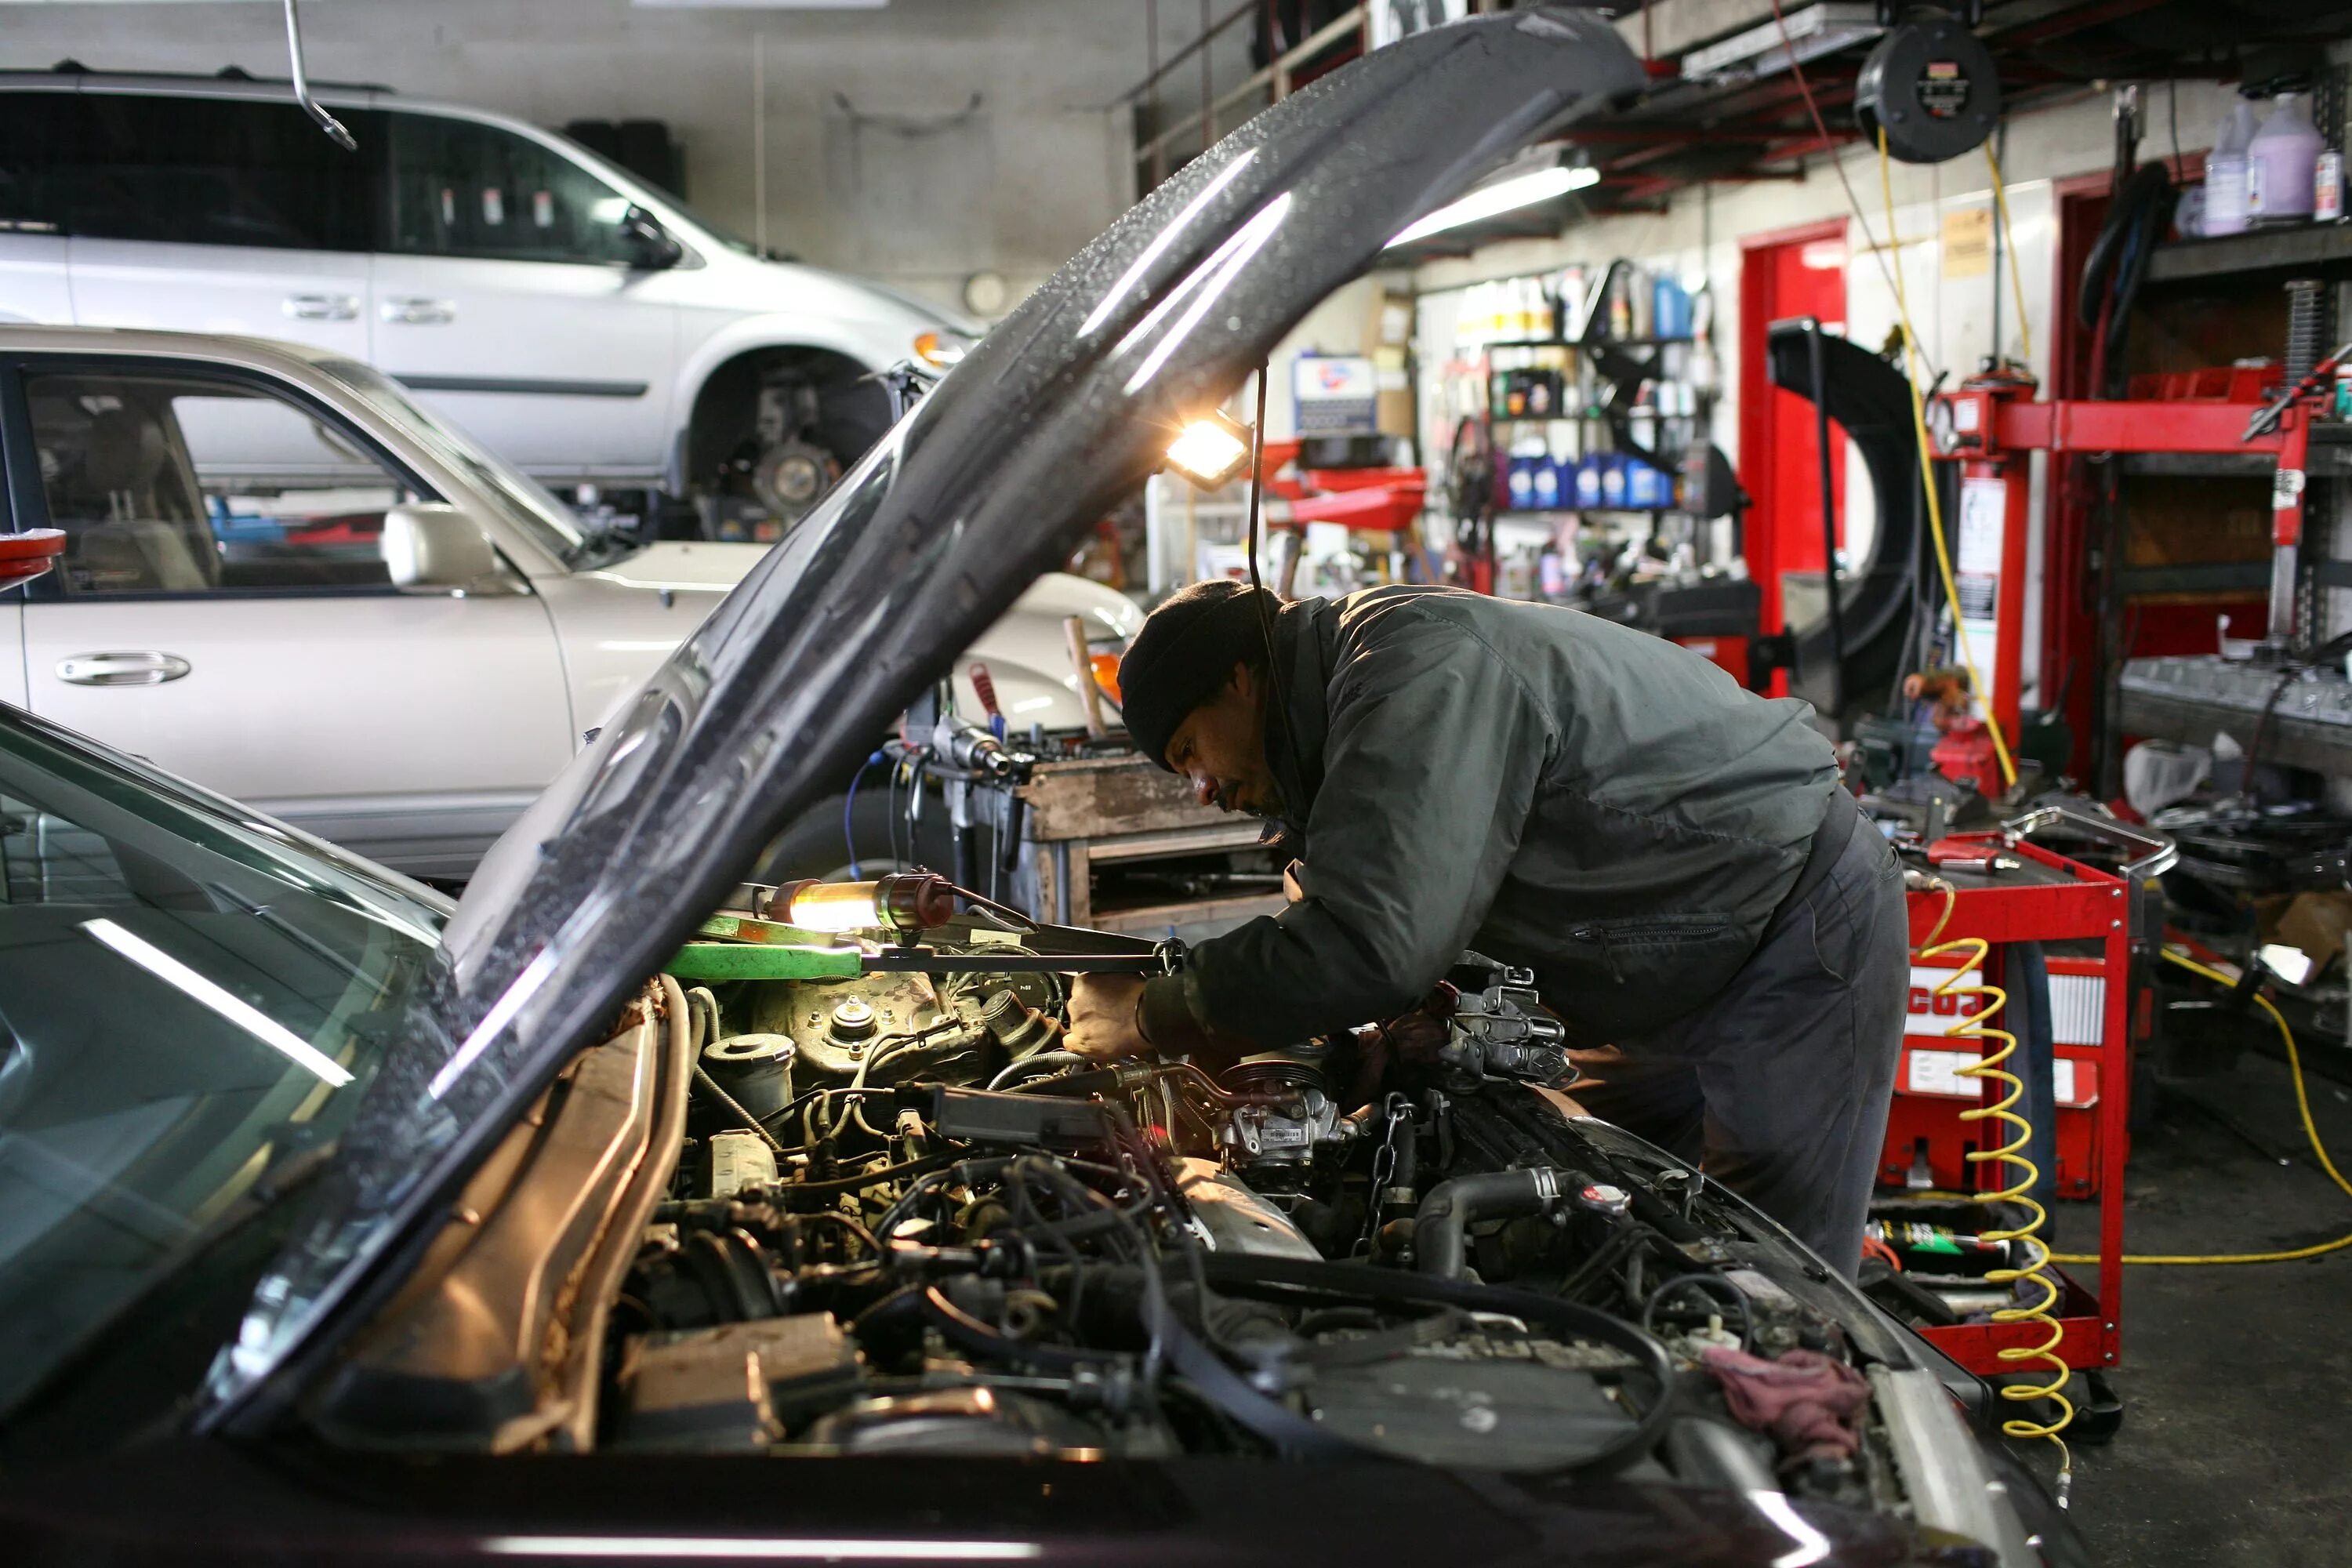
(2136, 219)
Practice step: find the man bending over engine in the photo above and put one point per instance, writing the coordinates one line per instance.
(1671, 855)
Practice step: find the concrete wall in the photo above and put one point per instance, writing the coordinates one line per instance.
(872, 166)
(1699, 237)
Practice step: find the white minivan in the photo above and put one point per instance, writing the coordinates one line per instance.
(578, 321)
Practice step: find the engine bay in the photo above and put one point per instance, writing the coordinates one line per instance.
(926, 1229)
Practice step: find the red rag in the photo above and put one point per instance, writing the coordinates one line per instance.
(1809, 1403)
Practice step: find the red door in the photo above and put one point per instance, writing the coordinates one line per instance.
(1793, 273)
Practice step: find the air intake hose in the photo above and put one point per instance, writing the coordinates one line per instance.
(1442, 1224)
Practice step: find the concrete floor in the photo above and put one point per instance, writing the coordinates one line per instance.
(2236, 1381)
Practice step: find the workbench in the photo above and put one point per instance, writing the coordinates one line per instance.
(1083, 815)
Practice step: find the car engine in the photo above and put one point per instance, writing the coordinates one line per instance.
(928, 1229)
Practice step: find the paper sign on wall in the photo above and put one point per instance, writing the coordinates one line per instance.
(1967, 242)
(1984, 504)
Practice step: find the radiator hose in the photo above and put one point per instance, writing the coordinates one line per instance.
(1441, 1225)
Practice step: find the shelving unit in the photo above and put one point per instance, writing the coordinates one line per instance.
(2203, 291)
(2306, 250)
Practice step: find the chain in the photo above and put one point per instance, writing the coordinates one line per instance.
(1384, 1159)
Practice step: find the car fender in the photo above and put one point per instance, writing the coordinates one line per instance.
(617, 623)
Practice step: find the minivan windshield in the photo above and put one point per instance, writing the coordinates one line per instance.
(519, 498)
(190, 998)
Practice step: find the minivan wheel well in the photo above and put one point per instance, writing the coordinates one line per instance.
(756, 409)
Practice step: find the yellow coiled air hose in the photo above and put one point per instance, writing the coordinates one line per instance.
(1966, 981)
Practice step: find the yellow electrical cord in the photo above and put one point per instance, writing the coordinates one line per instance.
(2009, 245)
(1978, 1026)
(1928, 475)
(2310, 1128)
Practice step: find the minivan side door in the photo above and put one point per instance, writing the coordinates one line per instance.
(220, 215)
(506, 299)
(223, 609)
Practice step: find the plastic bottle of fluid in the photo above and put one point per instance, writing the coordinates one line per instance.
(2225, 172)
(2279, 165)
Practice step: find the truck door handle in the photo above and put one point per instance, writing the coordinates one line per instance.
(122, 668)
(322, 307)
(419, 311)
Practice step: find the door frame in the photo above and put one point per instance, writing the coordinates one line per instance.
(1756, 462)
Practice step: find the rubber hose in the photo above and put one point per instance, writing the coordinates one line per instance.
(2125, 213)
(1044, 1059)
(1441, 1225)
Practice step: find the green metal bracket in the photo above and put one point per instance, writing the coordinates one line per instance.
(759, 960)
(763, 950)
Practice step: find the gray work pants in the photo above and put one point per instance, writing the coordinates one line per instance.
(1778, 1085)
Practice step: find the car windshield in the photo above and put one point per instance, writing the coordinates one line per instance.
(190, 998)
(522, 499)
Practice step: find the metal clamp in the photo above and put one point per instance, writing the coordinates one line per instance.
(2161, 855)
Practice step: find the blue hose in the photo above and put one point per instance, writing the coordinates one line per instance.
(848, 829)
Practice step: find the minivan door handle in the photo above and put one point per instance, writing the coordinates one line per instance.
(419, 311)
(322, 307)
(122, 668)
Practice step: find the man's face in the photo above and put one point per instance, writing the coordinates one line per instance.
(1221, 748)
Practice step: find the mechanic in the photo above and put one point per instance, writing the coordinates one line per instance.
(1673, 855)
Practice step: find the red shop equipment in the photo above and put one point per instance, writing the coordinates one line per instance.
(2009, 889)
(1993, 425)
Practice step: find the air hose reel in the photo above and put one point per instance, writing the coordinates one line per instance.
(1929, 85)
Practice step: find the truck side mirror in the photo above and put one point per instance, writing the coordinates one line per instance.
(431, 546)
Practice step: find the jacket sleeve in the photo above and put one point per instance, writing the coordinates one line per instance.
(1430, 770)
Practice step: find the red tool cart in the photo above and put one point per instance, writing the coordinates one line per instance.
(2010, 890)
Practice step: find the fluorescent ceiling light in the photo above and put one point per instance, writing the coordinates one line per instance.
(235, 1009)
(1502, 196)
(1806, 35)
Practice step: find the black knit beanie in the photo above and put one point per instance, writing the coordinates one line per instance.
(1186, 650)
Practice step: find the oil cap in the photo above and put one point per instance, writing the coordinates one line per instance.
(1932, 88)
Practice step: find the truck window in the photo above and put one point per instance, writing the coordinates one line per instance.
(463, 188)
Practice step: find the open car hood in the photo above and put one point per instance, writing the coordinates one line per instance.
(1063, 408)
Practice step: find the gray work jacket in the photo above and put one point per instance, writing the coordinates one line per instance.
(1556, 792)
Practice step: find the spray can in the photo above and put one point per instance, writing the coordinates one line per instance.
(1940, 1249)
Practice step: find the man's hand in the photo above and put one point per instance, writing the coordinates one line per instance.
(1102, 1017)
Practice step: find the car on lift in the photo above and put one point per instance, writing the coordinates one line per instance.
(285, 580)
(626, 1212)
(579, 321)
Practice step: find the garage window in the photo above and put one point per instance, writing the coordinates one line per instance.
(462, 188)
(196, 485)
(201, 170)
